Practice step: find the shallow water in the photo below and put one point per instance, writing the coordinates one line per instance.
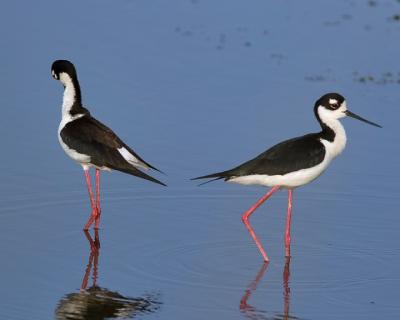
(196, 87)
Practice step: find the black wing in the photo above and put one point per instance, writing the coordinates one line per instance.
(89, 136)
(288, 156)
(114, 140)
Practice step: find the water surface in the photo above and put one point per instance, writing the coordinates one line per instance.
(196, 87)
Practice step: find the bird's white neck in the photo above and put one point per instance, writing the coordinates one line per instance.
(338, 144)
(330, 124)
(68, 100)
(71, 94)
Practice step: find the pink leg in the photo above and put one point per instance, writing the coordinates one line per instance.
(97, 199)
(288, 220)
(92, 201)
(247, 214)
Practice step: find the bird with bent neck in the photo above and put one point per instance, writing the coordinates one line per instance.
(89, 142)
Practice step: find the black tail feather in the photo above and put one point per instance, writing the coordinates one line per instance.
(218, 178)
(158, 170)
(213, 177)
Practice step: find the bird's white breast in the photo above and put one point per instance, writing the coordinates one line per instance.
(79, 157)
(66, 117)
(331, 119)
(303, 176)
(300, 177)
(336, 147)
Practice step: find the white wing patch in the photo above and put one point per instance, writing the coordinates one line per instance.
(132, 159)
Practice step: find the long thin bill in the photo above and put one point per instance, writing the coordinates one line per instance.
(353, 115)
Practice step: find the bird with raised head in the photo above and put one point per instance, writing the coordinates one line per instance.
(294, 162)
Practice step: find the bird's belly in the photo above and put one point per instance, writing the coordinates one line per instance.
(289, 180)
(73, 154)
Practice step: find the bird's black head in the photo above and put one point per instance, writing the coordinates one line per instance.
(330, 101)
(65, 72)
(332, 106)
(62, 66)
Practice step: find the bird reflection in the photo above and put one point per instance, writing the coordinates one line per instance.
(254, 313)
(97, 303)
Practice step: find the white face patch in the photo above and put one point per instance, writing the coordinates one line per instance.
(53, 74)
(326, 115)
(333, 101)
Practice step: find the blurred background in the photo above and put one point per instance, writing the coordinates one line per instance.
(198, 86)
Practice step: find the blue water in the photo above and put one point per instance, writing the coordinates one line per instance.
(196, 87)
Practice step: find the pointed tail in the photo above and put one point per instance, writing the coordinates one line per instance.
(213, 177)
(137, 173)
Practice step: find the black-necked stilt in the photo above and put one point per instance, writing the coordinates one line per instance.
(294, 162)
(89, 142)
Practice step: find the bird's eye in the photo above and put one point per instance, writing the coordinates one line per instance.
(333, 104)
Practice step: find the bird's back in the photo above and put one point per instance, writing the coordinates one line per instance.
(285, 157)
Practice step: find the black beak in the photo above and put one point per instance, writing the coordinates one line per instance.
(353, 115)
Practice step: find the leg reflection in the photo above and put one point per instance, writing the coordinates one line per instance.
(93, 258)
(244, 306)
(252, 312)
(95, 302)
(286, 289)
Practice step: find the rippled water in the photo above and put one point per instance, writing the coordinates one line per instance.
(196, 87)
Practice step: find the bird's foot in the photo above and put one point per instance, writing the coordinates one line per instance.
(94, 217)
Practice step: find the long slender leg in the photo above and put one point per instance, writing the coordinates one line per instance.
(92, 201)
(258, 244)
(288, 220)
(97, 199)
(247, 214)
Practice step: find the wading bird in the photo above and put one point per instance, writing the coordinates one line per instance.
(295, 162)
(91, 143)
